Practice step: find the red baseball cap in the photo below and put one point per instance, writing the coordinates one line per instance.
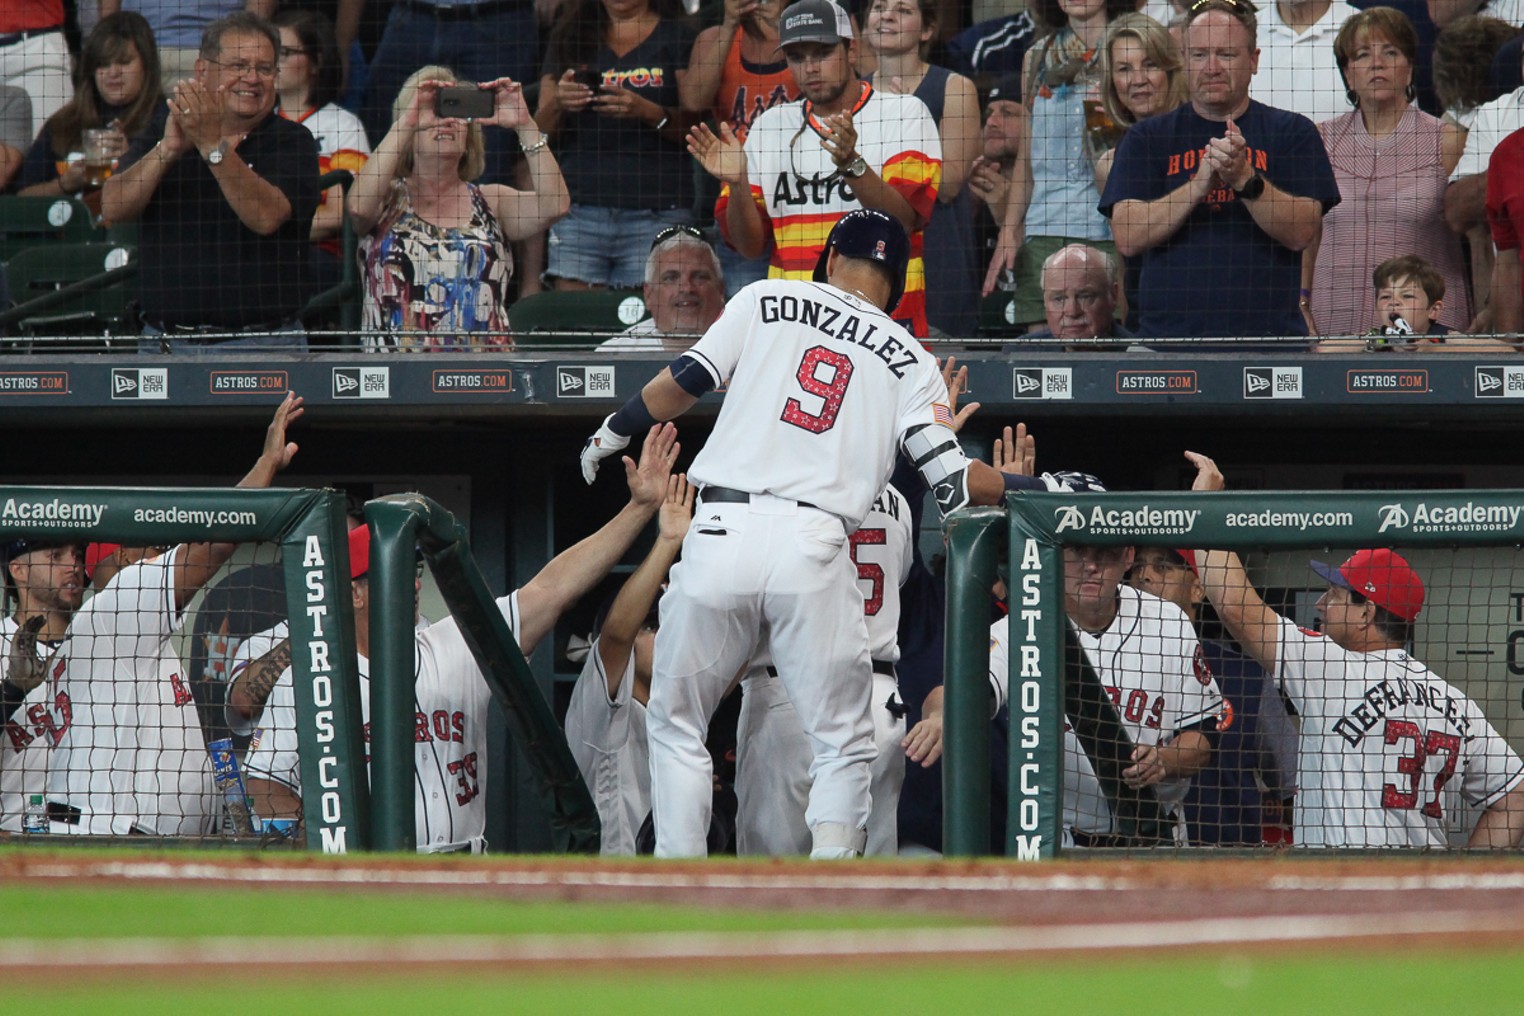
(359, 551)
(1382, 576)
(95, 553)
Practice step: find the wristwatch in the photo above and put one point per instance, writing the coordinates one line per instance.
(216, 155)
(1253, 188)
(854, 169)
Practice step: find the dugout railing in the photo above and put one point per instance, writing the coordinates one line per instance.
(1028, 537)
(308, 526)
(402, 527)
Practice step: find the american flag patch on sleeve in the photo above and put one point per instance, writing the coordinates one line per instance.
(942, 414)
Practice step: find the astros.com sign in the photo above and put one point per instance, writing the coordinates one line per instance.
(1144, 521)
(1469, 517)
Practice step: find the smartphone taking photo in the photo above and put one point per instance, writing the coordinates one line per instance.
(464, 102)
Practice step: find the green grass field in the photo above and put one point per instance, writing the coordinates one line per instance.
(1317, 979)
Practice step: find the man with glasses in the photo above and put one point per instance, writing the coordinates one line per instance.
(841, 147)
(225, 200)
(1220, 195)
(1389, 749)
(685, 293)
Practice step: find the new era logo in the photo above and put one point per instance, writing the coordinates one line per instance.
(1042, 383)
(1026, 384)
(362, 383)
(585, 382)
(1272, 382)
(1500, 382)
(140, 383)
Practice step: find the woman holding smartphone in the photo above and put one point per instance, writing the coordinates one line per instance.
(609, 97)
(435, 251)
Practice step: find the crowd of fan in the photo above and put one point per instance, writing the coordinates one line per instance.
(1341, 172)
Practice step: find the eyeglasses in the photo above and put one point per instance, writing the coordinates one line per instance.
(668, 232)
(243, 67)
(290, 51)
(814, 179)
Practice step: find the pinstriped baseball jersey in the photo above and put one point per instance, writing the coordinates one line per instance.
(822, 388)
(451, 699)
(1150, 663)
(1388, 747)
(130, 753)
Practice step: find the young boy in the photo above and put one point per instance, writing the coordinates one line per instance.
(1410, 294)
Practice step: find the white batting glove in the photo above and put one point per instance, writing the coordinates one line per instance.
(599, 447)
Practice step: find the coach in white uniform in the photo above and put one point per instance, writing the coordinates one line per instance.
(1388, 747)
(451, 695)
(1145, 653)
(131, 756)
(823, 387)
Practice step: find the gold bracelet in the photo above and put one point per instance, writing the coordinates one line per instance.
(544, 140)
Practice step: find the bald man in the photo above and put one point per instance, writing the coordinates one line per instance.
(1080, 292)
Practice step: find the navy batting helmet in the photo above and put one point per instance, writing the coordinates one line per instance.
(875, 236)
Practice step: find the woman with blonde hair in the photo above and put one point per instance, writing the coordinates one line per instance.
(435, 249)
(1142, 75)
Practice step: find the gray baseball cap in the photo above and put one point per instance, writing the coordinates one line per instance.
(813, 21)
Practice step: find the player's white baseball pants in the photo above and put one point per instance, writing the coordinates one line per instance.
(773, 770)
(771, 566)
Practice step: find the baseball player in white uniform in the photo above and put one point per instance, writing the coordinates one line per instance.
(48, 581)
(451, 695)
(1388, 747)
(823, 386)
(606, 719)
(772, 753)
(130, 755)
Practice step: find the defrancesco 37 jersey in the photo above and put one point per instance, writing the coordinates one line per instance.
(822, 389)
(607, 736)
(1152, 668)
(451, 699)
(1388, 747)
(30, 734)
(130, 753)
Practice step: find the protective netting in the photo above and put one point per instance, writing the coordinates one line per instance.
(1367, 700)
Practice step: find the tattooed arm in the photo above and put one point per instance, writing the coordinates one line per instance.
(251, 688)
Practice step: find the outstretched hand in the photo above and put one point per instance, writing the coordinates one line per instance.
(1015, 452)
(955, 378)
(648, 478)
(1208, 476)
(279, 452)
(22, 667)
(677, 510)
(721, 155)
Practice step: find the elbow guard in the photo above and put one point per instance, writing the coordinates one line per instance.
(934, 450)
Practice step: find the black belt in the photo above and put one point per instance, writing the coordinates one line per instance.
(729, 495)
(460, 12)
(30, 33)
(879, 667)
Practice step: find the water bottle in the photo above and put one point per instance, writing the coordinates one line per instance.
(35, 818)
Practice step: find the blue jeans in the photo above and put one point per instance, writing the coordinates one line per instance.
(505, 44)
(291, 338)
(606, 246)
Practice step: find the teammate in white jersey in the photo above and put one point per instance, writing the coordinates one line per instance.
(772, 753)
(451, 695)
(1388, 747)
(823, 387)
(130, 755)
(46, 578)
(1145, 653)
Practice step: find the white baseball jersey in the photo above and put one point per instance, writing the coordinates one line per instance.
(451, 700)
(607, 736)
(1151, 665)
(1388, 748)
(30, 734)
(772, 754)
(249, 650)
(822, 388)
(130, 753)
